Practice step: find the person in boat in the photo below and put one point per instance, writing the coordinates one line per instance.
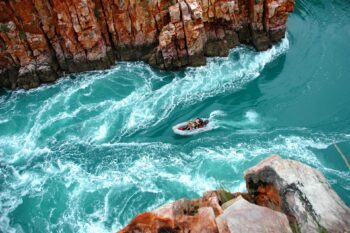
(191, 125)
(197, 123)
(201, 123)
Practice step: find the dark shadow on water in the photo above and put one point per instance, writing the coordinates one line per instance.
(3, 92)
(273, 69)
(5, 95)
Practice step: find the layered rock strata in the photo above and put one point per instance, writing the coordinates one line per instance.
(283, 196)
(43, 39)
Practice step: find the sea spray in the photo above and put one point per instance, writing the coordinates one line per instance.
(250, 120)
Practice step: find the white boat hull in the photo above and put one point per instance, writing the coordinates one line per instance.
(190, 132)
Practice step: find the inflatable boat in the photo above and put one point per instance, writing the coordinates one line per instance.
(181, 129)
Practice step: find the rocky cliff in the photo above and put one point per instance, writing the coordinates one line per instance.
(283, 196)
(42, 39)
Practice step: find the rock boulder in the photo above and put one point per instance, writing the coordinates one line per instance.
(299, 191)
(283, 196)
(244, 217)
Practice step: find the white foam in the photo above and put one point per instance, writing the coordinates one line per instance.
(250, 119)
(101, 132)
(141, 109)
(147, 165)
(241, 188)
(252, 116)
(216, 113)
(3, 121)
(148, 107)
(151, 164)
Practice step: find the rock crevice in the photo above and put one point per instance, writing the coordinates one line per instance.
(40, 40)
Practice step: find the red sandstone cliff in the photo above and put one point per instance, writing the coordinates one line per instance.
(41, 39)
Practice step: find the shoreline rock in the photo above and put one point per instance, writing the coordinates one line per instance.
(299, 191)
(283, 196)
(40, 40)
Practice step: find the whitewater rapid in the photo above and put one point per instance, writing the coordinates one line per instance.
(114, 117)
(90, 152)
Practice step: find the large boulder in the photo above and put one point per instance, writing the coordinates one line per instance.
(299, 191)
(244, 217)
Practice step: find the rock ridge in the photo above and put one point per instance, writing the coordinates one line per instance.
(283, 196)
(41, 40)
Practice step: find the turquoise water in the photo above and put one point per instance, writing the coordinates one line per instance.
(90, 152)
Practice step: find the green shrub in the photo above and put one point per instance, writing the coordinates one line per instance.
(223, 194)
(22, 35)
(4, 27)
(96, 13)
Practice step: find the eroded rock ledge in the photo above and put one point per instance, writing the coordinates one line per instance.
(42, 39)
(283, 196)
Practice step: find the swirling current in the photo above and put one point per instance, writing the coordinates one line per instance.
(91, 151)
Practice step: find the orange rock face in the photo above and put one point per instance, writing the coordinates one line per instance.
(268, 196)
(39, 39)
(184, 215)
(213, 213)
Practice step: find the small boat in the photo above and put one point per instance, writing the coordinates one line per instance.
(181, 129)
